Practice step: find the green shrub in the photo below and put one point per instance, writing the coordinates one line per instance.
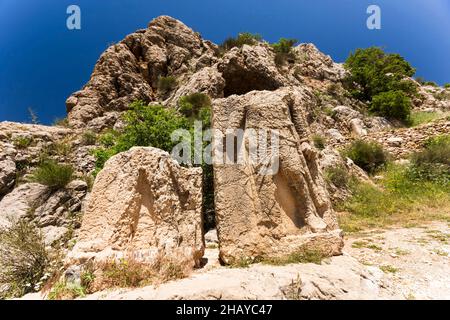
(22, 142)
(144, 126)
(283, 50)
(370, 156)
(372, 71)
(53, 175)
(447, 86)
(431, 83)
(338, 176)
(23, 259)
(89, 138)
(166, 84)
(240, 40)
(196, 106)
(392, 105)
(153, 126)
(319, 141)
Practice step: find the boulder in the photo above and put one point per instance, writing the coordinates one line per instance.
(272, 212)
(145, 205)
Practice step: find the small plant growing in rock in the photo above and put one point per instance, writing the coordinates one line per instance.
(23, 259)
(319, 141)
(166, 84)
(89, 138)
(196, 106)
(370, 156)
(283, 51)
(22, 142)
(240, 40)
(53, 174)
(338, 176)
(447, 86)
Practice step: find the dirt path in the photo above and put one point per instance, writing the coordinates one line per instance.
(415, 261)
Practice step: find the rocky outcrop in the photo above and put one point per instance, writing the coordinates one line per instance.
(130, 70)
(146, 205)
(55, 212)
(341, 278)
(278, 212)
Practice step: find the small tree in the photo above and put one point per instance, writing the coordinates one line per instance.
(372, 71)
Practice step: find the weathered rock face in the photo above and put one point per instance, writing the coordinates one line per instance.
(271, 214)
(55, 212)
(129, 71)
(7, 176)
(143, 203)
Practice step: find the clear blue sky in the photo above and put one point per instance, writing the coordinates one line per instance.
(42, 62)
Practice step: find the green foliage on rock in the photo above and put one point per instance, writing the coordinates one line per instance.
(283, 50)
(53, 174)
(392, 105)
(166, 84)
(370, 156)
(242, 38)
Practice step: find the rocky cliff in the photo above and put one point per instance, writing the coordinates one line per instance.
(145, 203)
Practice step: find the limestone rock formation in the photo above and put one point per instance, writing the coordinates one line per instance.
(278, 213)
(130, 70)
(55, 212)
(143, 204)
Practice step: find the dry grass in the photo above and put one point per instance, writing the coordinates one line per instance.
(130, 273)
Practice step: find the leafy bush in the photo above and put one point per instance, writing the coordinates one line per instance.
(53, 175)
(447, 86)
(283, 50)
(392, 105)
(23, 259)
(370, 156)
(372, 71)
(240, 40)
(166, 84)
(319, 141)
(338, 176)
(89, 138)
